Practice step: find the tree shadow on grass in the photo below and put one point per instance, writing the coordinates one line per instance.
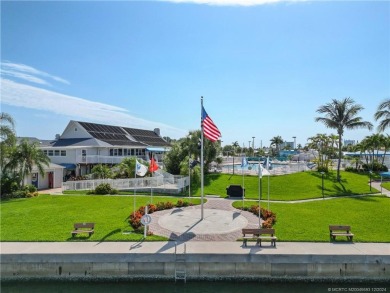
(113, 232)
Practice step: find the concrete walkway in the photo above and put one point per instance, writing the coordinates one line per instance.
(195, 247)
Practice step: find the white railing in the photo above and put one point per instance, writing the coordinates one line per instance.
(98, 159)
(158, 182)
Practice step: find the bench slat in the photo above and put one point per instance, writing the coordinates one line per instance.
(83, 228)
(259, 234)
(340, 230)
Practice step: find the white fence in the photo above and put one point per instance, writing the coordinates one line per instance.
(169, 184)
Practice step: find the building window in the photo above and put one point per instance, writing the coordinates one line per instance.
(111, 152)
(50, 153)
(120, 152)
(63, 153)
(45, 152)
(57, 153)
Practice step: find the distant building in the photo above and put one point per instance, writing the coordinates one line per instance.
(287, 144)
(349, 142)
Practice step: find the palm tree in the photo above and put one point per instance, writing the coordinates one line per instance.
(235, 145)
(277, 141)
(7, 138)
(127, 167)
(101, 171)
(341, 115)
(25, 156)
(384, 113)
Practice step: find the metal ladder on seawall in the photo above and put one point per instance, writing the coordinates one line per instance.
(180, 264)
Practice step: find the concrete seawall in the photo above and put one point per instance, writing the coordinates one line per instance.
(206, 260)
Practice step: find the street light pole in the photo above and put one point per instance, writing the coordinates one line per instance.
(253, 145)
(295, 142)
(370, 178)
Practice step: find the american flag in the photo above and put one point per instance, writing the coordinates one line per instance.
(210, 130)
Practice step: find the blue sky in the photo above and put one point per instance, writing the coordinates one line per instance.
(262, 68)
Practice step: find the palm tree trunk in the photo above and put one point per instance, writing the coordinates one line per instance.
(339, 160)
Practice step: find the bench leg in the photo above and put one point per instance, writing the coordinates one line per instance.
(244, 242)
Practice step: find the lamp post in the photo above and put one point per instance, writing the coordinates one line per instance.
(370, 178)
(189, 166)
(260, 192)
(322, 174)
(295, 142)
(253, 145)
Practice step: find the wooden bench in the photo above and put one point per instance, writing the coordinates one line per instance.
(340, 230)
(258, 235)
(83, 228)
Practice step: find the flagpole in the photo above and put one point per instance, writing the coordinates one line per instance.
(260, 190)
(151, 181)
(243, 180)
(269, 175)
(135, 181)
(201, 163)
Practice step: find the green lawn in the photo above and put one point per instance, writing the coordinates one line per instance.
(51, 218)
(386, 185)
(309, 221)
(302, 185)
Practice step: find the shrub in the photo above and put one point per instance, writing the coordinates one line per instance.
(19, 194)
(135, 220)
(9, 185)
(135, 217)
(141, 210)
(168, 205)
(30, 188)
(151, 208)
(351, 169)
(160, 206)
(376, 167)
(269, 217)
(114, 191)
(103, 188)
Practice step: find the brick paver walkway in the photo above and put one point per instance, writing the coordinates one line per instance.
(212, 203)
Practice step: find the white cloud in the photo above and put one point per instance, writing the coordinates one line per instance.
(21, 95)
(232, 2)
(28, 73)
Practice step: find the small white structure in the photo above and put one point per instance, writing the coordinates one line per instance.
(52, 178)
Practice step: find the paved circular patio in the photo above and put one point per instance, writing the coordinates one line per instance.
(221, 222)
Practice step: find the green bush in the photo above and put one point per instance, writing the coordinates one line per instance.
(103, 188)
(30, 188)
(9, 185)
(376, 167)
(114, 191)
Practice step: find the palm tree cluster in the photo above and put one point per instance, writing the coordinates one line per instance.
(327, 146)
(343, 114)
(17, 160)
(369, 148)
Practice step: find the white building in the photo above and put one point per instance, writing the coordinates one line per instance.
(83, 145)
(52, 178)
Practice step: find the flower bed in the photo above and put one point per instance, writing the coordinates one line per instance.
(269, 217)
(135, 217)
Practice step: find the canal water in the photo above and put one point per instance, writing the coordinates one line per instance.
(189, 287)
